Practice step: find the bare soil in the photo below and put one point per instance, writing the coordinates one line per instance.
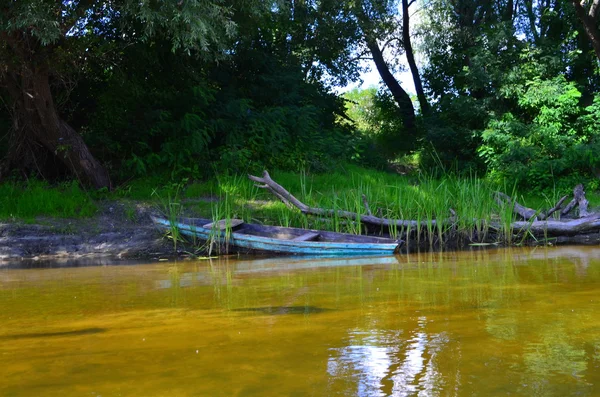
(119, 230)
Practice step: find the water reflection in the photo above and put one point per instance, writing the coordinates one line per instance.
(66, 262)
(494, 322)
(78, 332)
(395, 363)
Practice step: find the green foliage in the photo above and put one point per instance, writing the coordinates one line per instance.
(378, 138)
(149, 130)
(451, 136)
(183, 88)
(548, 138)
(193, 24)
(27, 200)
(485, 71)
(189, 116)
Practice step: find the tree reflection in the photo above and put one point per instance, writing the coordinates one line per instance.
(555, 354)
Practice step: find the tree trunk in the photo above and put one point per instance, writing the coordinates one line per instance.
(407, 111)
(37, 126)
(589, 23)
(411, 58)
(532, 21)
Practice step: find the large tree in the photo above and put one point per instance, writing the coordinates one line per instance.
(587, 12)
(378, 22)
(45, 43)
(410, 56)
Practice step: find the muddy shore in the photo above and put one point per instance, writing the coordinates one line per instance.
(118, 233)
(113, 233)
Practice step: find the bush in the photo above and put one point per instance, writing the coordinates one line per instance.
(549, 137)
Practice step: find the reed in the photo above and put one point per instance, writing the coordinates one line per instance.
(225, 209)
(172, 209)
(425, 198)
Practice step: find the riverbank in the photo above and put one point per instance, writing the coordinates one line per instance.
(50, 222)
(114, 232)
(123, 231)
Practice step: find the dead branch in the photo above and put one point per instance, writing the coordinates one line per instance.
(555, 208)
(265, 182)
(582, 202)
(578, 200)
(524, 212)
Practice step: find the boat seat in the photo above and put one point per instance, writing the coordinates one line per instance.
(310, 236)
(223, 223)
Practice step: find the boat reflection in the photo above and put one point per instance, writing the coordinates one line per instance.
(228, 270)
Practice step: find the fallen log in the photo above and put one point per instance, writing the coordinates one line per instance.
(525, 212)
(538, 225)
(558, 228)
(265, 182)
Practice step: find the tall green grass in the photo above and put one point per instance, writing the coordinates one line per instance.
(172, 208)
(28, 200)
(422, 198)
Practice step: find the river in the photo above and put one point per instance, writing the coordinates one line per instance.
(481, 322)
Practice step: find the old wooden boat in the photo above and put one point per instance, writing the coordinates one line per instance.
(237, 236)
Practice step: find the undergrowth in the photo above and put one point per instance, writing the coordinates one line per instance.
(420, 197)
(468, 200)
(27, 200)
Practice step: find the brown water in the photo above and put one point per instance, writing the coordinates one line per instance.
(498, 322)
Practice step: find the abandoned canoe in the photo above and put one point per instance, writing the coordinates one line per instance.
(247, 237)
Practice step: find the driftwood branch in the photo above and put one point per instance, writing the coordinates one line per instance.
(265, 182)
(556, 207)
(524, 212)
(536, 223)
(578, 200)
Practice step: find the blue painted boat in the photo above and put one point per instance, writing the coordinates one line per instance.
(247, 237)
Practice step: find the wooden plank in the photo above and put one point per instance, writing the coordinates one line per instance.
(310, 236)
(223, 223)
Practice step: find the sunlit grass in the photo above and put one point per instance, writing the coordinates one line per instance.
(27, 200)
(445, 208)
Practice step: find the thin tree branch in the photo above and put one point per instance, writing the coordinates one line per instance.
(390, 41)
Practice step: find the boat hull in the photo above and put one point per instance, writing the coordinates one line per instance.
(239, 241)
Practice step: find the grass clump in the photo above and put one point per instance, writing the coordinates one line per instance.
(421, 197)
(27, 200)
(464, 204)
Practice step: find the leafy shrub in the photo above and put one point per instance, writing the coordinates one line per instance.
(452, 135)
(547, 138)
(233, 116)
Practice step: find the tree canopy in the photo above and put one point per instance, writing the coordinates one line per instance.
(101, 90)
